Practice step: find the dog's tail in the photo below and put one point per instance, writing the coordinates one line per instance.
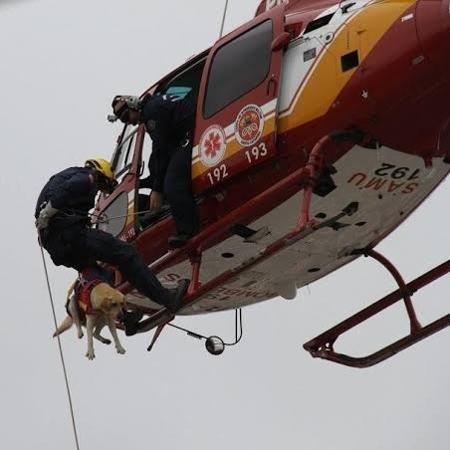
(64, 326)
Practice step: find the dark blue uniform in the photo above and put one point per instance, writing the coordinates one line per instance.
(170, 124)
(71, 241)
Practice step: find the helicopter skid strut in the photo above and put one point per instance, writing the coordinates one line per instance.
(322, 346)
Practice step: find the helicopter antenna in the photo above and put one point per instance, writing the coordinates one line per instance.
(223, 18)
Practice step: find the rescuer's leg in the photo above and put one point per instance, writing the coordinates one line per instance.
(178, 190)
(104, 247)
(58, 244)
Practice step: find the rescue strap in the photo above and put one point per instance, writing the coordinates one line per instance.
(74, 212)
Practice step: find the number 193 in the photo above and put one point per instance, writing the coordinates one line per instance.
(257, 152)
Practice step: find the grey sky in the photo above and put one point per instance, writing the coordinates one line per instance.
(60, 65)
(11, 3)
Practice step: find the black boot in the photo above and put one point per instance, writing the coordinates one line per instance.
(130, 321)
(176, 295)
(179, 240)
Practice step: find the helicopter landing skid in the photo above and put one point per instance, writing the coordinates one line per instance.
(322, 346)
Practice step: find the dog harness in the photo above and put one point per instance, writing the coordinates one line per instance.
(84, 296)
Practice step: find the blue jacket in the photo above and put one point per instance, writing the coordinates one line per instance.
(72, 191)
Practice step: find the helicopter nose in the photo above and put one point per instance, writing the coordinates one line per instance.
(433, 29)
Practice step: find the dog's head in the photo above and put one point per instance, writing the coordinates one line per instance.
(107, 299)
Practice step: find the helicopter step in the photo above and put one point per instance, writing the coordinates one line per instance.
(249, 235)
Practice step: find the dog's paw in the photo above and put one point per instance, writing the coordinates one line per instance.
(80, 335)
(90, 355)
(121, 350)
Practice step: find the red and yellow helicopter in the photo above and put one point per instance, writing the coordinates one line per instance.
(321, 126)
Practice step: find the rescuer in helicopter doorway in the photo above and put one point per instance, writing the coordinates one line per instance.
(64, 228)
(169, 120)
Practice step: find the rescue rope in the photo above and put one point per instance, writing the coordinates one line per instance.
(74, 212)
(60, 350)
(100, 220)
(223, 18)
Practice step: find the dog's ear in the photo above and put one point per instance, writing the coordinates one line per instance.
(111, 302)
(117, 298)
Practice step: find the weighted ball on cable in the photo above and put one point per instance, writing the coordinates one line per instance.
(215, 345)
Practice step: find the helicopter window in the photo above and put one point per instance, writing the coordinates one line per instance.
(123, 154)
(114, 216)
(349, 61)
(318, 23)
(143, 198)
(238, 67)
(145, 157)
(185, 82)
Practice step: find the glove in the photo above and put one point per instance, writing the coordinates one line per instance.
(47, 212)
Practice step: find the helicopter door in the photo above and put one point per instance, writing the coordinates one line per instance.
(117, 210)
(237, 104)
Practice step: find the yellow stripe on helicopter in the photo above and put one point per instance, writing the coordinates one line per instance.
(327, 80)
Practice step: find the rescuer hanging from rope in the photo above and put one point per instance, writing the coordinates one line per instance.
(70, 240)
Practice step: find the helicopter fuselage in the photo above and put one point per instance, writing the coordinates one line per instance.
(266, 94)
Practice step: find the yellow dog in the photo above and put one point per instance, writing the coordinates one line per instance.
(93, 304)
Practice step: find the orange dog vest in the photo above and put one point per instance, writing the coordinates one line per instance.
(84, 299)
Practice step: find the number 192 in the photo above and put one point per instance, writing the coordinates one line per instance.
(218, 174)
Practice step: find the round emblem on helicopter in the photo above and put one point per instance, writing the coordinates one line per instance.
(212, 145)
(249, 125)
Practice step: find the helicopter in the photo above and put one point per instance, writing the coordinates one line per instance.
(321, 125)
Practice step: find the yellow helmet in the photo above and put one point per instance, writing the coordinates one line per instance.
(102, 166)
(107, 182)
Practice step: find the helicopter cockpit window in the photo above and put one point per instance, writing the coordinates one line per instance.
(114, 216)
(145, 157)
(123, 155)
(238, 67)
(143, 197)
(144, 173)
(185, 82)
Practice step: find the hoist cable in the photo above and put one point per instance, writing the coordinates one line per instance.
(66, 378)
(223, 18)
(237, 325)
(82, 214)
